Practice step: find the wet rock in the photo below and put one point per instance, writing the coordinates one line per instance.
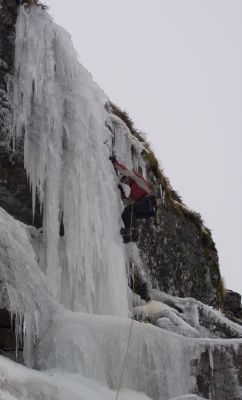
(232, 306)
(7, 37)
(177, 260)
(8, 342)
(15, 195)
(7, 339)
(218, 372)
(5, 319)
(232, 302)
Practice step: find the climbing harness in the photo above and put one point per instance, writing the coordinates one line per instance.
(132, 318)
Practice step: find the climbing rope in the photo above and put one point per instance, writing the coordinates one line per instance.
(132, 318)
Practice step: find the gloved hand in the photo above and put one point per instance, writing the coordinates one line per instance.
(113, 158)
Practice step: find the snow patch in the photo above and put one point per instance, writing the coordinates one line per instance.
(153, 310)
(20, 383)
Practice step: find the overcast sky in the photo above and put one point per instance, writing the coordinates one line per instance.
(176, 67)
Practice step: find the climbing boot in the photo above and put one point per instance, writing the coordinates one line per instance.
(129, 235)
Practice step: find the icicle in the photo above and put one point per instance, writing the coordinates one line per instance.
(64, 115)
(211, 364)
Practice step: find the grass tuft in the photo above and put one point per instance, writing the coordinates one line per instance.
(175, 200)
(221, 291)
(124, 116)
(171, 195)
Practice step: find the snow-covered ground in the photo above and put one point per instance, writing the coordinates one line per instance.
(21, 383)
(94, 346)
(70, 293)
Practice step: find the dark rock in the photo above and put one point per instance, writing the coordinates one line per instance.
(218, 372)
(176, 258)
(15, 195)
(7, 339)
(7, 40)
(8, 343)
(221, 328)
(232, 306)
(232, 301)
(5, 319)
(139, 285)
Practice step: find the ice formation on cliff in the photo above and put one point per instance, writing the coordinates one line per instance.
(59, 285)
(61, 110)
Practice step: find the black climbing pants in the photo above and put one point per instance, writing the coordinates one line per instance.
(135, 211)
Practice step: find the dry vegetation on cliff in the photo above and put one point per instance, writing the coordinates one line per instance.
(173, 197)
(162, 179)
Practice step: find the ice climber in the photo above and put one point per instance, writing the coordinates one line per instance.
(140, 203)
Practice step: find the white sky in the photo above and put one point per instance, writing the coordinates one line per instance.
(175, 66)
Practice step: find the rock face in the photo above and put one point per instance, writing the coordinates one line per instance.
(174, 253)
(217, 369)
(8, 337)
(232, 302)
(232, 306)
(177, 252)
(177, 259)
(15, 196)
(219, 372)
(7, 35)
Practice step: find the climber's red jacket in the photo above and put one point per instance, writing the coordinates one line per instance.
(139, 188)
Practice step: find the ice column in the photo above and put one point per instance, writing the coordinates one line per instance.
(60, 111)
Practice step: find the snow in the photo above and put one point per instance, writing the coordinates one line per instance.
(153, 310)
(90, 345)
(174, 323)
(20, 383)
(95, 347)
(123, 141)
(196, 314)
(23, 286)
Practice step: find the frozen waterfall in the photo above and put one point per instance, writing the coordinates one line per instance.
(61, 112)
(59, 285)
